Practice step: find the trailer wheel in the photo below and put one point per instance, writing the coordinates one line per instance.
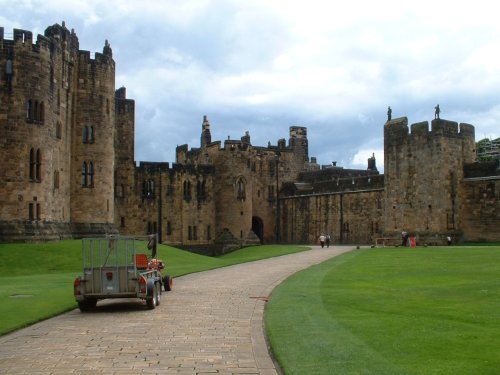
(151, 301)
(168, 283)
(87, 304)
(158, 293)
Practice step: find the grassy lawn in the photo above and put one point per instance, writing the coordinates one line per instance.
(391, 311)
(36, 280)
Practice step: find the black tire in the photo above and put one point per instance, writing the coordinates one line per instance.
(151, 301)
(83, 306)
(158, 293)
(87, 304)
(168, 283)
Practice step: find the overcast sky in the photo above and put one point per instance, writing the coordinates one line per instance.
(263, 66)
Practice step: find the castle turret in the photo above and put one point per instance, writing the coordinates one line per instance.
(206, 137)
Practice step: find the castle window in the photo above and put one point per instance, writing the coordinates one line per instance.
(87, 174)
(190, 233)
(195, 235)
(35, 165)
(31, 211)
(32, 164)
(150, 227)
(84, 174)
(41, 112)
(187, 191)
(122, 222)
(38, 165)
(38, 211)
(29, 110)
(91, 174)
(148, 189)
(209, 233)
(58, 130)
(88, 134)
(56, 179)
(240, 189)
(200, 191)
(169, 228)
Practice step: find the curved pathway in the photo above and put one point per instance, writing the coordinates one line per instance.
(211, 323)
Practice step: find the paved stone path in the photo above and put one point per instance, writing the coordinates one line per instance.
(211, 323)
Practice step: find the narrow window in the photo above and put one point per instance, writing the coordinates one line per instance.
(91, 134)
(34, 113)
(122, 221)
(209, 234)
(31, 211)
(240, 189)
(85, 135)
(190, 233)
(169, 228)
(56, 179)
(84, 174)
(195, 235)
(32, 164)
(38, 212)
(58, 130)
(29, 110)
(91, 174)
(38, 167)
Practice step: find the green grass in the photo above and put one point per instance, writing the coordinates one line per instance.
(391, 311)
(36, 280)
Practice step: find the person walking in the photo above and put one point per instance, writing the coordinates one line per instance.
(322, 240)
(327, 240)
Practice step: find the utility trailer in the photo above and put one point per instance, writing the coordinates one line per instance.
(119, 267)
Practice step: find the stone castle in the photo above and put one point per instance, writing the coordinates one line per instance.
(68, 170)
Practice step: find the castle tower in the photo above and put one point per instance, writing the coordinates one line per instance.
(422, 174)
(35, 132)
(93, 132)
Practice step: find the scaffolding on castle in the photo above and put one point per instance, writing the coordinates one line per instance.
(488, 149)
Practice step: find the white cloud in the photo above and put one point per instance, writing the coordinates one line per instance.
(265, 65)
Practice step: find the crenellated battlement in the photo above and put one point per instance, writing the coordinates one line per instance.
(397, 132)
(56, 37)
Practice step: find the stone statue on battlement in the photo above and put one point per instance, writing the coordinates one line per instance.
(437, 111)
(389, 113)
